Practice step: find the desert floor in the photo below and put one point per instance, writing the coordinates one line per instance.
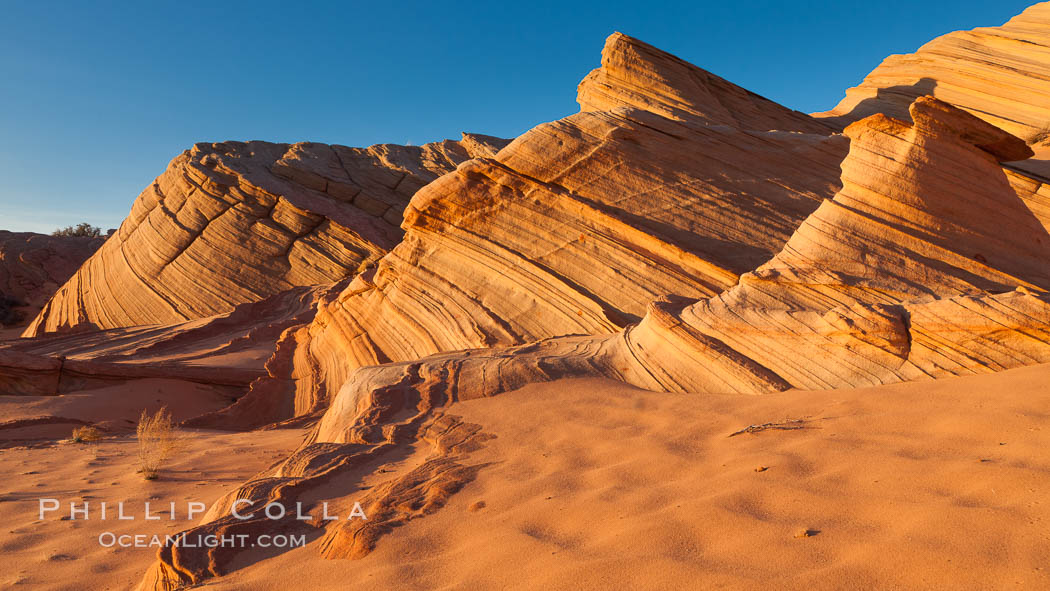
(593, 485)
(63, 554)
(589, 484)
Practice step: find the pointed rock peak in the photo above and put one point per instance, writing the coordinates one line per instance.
(482, 146)
(636, 74)
(936, 116)
(927, 203)
(1000, 74)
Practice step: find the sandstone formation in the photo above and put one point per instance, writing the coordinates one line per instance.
(636, 74)
(678, 234)
(235, 349)
(1000, 74)
(32, 267)
(234, 222)
(904, 275)
(578, 224)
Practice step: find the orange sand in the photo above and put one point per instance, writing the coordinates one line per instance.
(56, 554)
(594, 485)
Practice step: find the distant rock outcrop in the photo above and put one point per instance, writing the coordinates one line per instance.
(1000, 74)
(32, 267)
(234, 222)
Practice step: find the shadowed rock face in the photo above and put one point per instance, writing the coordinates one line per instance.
(32, 267)
(234, 222)
(1000, 74)
(234, 349)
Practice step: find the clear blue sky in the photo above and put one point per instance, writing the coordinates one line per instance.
(96, 98)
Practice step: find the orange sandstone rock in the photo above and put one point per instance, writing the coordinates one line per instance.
(234, 222)
(1000, 74)
(578, 224)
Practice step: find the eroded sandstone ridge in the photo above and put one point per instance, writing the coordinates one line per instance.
(32, 267)
(1000, 74)
(578, 224)
(233, 222)
(904, 275)
(679, 234)
(636, 74)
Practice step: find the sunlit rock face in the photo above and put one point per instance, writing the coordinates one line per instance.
(234, 222)
(636, 74)
(573, 228)
(1000, 74)
(678, 234)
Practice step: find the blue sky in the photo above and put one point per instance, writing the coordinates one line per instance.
(96, 98)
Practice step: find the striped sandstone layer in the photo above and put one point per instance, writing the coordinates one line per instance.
(234, 222)
(1000, 74)
(578, 224)
(636, 74)
(906, 274)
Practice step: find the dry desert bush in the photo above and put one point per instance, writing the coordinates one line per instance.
(159, 439)
(1040, 137)
(85, 434)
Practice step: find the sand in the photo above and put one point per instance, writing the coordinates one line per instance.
(57, 554)
(590, 484)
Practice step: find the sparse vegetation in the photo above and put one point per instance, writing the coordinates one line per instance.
(369, 263)
(84, 230)
(85, 434)
(159, 439)
(1040, 137)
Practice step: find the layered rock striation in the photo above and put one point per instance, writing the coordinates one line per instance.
(636, 74)
(578, 224)
(234, 222)
(236, 349)
(1000, 74)
(667, 237)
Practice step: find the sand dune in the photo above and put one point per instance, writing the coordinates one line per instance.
(590, 484)
(63, 554)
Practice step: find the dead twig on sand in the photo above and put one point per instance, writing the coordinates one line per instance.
(788, 425)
